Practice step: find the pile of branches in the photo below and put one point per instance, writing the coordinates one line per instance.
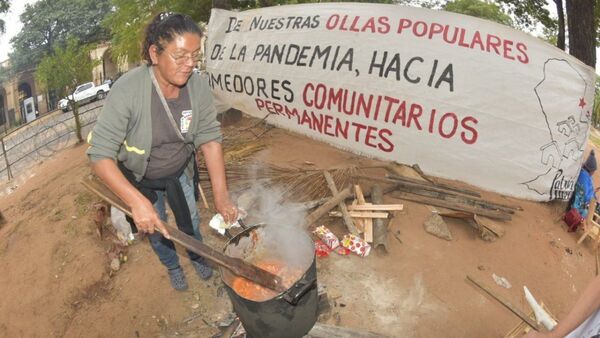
(294, 184)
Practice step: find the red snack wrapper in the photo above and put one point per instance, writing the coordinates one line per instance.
(327, 237)
(321, 249)
(356, 245)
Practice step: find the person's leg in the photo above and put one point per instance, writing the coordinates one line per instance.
(203, 270)
(165, 249)
(188, 190)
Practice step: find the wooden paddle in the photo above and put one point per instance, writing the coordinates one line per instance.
(235, 265)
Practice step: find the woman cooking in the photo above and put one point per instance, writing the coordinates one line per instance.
(144, 143)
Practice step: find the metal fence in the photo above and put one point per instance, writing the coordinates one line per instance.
(42, 138)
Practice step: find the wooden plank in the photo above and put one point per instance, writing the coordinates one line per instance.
(376, 207)
(506, 304)
(368, 234)
(361, 214)
(433, 192)
(360, 197)
(367, 222)
(345, 216)
(359, 222)
(449, 196)
(453, 206)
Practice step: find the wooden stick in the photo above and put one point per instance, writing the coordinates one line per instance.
(202, 196)
(434, 185)
(330, 204)
(506, 304)
(424, 190)
(376, 207)
(380, 226)
(341, 205)
(360, 214)
(452, 205)
(422, 174)
(308, 204)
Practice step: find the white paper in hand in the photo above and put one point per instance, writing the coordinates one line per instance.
(219, 224)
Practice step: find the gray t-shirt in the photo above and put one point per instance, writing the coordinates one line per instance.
(169, 153)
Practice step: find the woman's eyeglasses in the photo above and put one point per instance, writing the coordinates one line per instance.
(181, 59)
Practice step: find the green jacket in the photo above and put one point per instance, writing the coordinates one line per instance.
(123, 131)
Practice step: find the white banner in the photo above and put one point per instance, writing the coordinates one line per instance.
(464, 98)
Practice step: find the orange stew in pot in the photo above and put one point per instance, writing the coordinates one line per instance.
(255, 292)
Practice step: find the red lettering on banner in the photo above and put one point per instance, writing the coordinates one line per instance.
(379, 116)
(453, 35)
(471, 130)
(357, 24)
(453, 124)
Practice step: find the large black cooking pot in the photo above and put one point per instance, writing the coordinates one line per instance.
(288, 314)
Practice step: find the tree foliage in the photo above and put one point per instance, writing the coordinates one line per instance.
(481, 9)
(528, 13)
(50, 23)
(4, 6)
(129, 18)
(431, 4)
(64, 69)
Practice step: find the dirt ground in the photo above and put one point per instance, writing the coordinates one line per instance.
(56, 280)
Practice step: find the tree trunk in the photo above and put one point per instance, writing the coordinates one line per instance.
(560, 42)
(582, 31)
(75, 107)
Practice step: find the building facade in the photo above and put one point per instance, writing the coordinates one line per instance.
(21, 86)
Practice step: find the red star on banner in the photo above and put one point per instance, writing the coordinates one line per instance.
(581, 102)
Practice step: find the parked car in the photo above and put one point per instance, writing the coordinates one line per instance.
(83, 94)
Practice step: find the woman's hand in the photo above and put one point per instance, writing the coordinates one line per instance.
(146, 219)
(226, 208)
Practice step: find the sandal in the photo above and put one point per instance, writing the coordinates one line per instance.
(177, 278)
(203, 270)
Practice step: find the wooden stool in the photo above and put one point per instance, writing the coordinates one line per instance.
(591, 226)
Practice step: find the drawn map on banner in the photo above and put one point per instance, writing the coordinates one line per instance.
(464, 98)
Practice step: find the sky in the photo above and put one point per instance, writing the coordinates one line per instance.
(13, 27)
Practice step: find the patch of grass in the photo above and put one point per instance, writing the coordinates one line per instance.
(83, 202)
(56, 216)
(71, 228)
